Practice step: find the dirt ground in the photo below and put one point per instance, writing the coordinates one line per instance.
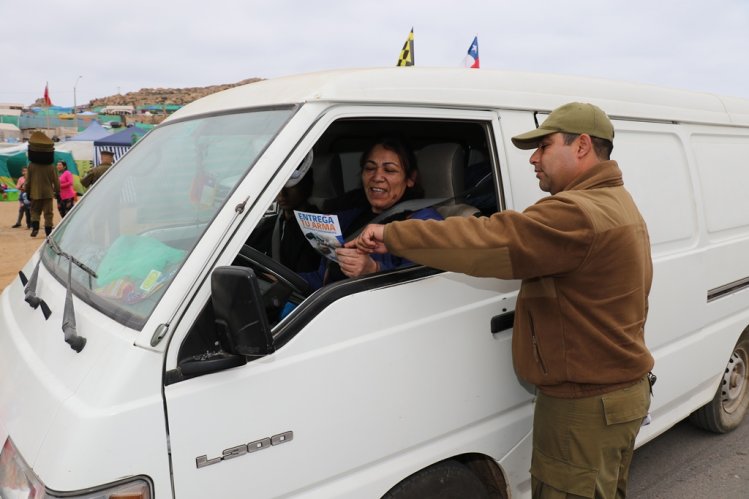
(16, 247)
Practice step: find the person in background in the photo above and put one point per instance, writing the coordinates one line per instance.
(42, 183)
(67, 193)
(107, 159)
(583, 254)
(23, 200)
(281, 237)
(22, 179)
(24, 208)
(389, 175)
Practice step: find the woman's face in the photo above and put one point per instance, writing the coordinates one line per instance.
(384, 179)
(60, 166)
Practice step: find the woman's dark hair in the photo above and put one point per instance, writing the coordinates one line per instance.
(407, 159)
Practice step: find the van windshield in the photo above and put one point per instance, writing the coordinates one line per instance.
(136, 225)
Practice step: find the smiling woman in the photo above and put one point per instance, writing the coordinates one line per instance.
(389, 176)
(388, 173)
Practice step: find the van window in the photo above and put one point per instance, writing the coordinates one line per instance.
(136, 225)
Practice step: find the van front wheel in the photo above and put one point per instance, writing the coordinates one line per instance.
(727, 409)
(444, 480)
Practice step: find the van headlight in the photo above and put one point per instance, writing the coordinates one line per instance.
(18, 481)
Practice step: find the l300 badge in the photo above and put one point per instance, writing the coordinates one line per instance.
(241, 450)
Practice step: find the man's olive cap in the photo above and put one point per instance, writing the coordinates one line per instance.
(575, 117)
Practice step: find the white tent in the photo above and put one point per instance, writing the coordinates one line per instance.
(81, 145)
(9, 133)
(81, 149)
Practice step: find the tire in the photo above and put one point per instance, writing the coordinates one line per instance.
(731, 402)
(444, 480)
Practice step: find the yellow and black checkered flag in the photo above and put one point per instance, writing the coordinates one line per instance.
(407, 53)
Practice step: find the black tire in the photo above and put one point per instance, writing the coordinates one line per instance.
(729, 406)
(444, 480)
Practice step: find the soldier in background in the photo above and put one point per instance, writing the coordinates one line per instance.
(107, 158)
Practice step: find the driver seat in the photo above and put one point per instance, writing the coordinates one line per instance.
(328, 180)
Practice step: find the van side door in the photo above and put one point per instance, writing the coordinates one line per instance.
(373, 378)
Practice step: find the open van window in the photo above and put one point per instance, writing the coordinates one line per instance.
(137, 227)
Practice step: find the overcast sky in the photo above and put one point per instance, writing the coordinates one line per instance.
(125, 45)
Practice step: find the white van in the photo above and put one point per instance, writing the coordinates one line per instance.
(142, 352)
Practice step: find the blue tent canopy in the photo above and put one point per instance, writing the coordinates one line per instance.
(118, 142)
(93, 132)
(126, 137)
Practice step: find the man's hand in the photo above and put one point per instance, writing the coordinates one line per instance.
(370, 240)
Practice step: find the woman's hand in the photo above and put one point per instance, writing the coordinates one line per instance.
(354, 263)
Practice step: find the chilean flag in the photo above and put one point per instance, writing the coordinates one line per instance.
(47, 100)
(472, 59)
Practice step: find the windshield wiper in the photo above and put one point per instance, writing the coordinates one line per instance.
(29, 290)
(72, 338)
(59, 252)
(69, 328)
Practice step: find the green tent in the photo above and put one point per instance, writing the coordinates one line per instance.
(15, 159)
(5, 177)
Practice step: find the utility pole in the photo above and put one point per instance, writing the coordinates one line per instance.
(75, 104)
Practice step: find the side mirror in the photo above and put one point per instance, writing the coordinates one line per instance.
(241, 323)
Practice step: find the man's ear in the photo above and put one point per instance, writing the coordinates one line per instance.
(584, 145)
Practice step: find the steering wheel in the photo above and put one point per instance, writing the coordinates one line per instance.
(281, 273)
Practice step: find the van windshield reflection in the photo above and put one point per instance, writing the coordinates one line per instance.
(138, 223)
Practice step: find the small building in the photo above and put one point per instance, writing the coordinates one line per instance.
(10, 115)
(118, 110)
(11, 105)
(10, 133)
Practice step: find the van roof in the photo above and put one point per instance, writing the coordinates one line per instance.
(478, 89)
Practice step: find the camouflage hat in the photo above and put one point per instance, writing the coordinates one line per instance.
(575, 117)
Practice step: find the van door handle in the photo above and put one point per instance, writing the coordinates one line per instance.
(502, 322)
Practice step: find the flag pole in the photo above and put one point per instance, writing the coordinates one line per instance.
(47, 102)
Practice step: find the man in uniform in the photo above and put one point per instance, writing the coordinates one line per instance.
(107, 158)
(42, 182)
(583, 254)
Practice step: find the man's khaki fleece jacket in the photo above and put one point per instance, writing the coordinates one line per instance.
(584, 258)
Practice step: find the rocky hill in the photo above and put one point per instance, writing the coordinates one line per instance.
(158, 96)
(161, 96)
